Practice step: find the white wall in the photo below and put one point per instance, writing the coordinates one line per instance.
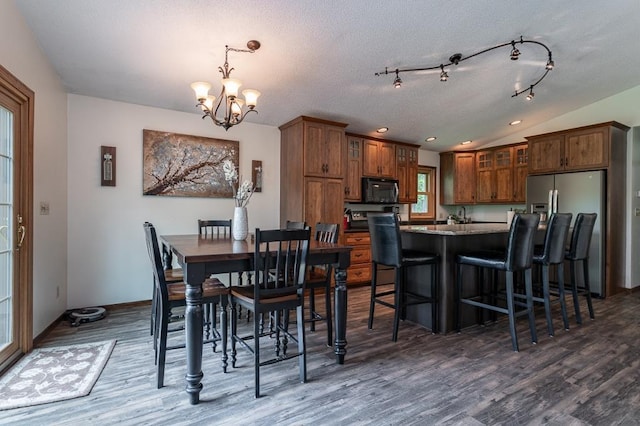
(107, 257)
(21, 55)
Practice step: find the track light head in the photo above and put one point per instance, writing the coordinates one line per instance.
(397, 83)
(515, 53)
(443, 74)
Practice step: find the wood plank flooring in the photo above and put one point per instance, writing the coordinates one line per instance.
(589, 375)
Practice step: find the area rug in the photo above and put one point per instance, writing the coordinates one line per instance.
(54, 374)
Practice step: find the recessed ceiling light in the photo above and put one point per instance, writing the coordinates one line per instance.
(382, 130)
(430, 139)
(465, 143)
(515, 122)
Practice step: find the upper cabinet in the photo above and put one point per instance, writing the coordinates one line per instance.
(520, 172)
(494, 175)
(457, 178)
(352, 184)
(379, 159)
(323, 149)
(497, 175)
(407, 173)
(584, 148)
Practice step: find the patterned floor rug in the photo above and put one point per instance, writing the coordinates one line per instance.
(54, 374)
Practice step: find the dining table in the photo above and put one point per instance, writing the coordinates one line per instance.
(200, 256)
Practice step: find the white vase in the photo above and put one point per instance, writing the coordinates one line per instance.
(240, 228)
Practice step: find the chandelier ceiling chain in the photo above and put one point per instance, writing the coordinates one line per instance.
(456, 58)
(233, 112)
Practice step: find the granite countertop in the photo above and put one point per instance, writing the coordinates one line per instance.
(459, 229)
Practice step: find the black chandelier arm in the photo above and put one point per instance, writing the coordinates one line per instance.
(457, 58)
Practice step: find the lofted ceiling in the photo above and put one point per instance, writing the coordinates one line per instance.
(318, 58)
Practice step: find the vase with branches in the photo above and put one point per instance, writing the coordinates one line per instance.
(242, 194)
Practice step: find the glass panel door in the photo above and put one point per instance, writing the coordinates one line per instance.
(7, 228)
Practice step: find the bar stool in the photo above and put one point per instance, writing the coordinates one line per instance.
(518, 256)
(552, 253)
(579, 252)
(386, 249)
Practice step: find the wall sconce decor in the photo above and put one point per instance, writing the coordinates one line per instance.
(256, 175)
(108, 165)
(456, 58)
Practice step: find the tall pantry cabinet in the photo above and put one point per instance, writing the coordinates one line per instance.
(312, 168)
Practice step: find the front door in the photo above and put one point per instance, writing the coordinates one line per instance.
(16, 183)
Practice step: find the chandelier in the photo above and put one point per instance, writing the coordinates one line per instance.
(228, 104)
(456, 58)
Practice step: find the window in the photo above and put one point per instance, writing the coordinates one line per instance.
(425, 208)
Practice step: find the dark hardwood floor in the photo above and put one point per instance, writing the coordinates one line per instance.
(589, 375)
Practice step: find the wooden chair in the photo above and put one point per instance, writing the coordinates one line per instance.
(280, 284)
(320, 278)
(386, 249)
(172, 295)
(171, 275)
(295, 225)
(518, 256)
(215, 227)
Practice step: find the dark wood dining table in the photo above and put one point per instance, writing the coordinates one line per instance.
(200, 256)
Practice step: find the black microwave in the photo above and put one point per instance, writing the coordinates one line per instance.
(379, 191)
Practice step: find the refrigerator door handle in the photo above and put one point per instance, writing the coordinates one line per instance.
(550, 209)
(555, 201)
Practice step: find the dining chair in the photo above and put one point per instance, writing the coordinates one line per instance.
(319, 277)
(578, 252)
(292, 224)
(517, 256)
(171, 275)
(171, 296)
(386, 250)
(220, 228)
(280, 268)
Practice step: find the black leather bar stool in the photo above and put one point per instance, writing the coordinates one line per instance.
(518, 256)
(579, 252)
(552, 253)
(386, 249)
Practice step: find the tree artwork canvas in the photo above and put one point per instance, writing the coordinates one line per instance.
(179, 165)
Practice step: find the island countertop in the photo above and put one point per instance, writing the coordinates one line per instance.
(458, 229)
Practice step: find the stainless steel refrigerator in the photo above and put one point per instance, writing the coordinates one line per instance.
(581, 192)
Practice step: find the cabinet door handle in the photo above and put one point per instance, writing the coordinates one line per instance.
(561, 162)
(566, 161)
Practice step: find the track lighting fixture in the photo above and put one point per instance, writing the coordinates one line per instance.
(531, 94)
(456, 58)
(443, 74)
(397, 83)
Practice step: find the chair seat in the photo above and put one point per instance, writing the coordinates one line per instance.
(246, 294)
(486, 259)
(210, 288)
(413, 257)
(173, 275)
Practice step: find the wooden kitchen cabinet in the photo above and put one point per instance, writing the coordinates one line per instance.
(584, 148)
(360, 269)
(312, 163)
(323, 200)
(494, 175)
(379, 159)
(457, 178)
(407, 173)
(520, 172)
(353, 177)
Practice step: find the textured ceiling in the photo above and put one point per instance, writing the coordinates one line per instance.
(318, 58)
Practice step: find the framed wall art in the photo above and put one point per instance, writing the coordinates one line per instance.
(178, 165)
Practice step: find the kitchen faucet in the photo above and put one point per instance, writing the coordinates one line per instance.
(464, 214)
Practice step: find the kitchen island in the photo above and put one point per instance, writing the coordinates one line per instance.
(447, 241)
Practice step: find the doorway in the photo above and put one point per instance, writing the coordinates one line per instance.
(16, 213)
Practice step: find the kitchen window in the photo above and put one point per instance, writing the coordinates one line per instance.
(425, 207)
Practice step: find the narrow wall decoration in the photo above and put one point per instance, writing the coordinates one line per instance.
(178, 165)
(108, 166)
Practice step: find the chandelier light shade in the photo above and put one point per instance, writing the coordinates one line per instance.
(456, 58)
(229, 109)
